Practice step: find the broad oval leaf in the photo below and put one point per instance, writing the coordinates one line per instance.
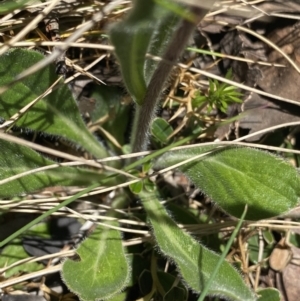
(16, 159)
(55, 114)
(103, 271)
(237, 176)
(195, 262)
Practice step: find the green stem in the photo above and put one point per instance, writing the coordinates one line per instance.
(147, 111)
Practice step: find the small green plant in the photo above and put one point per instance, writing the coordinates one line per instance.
(218, 96)
(244, 182)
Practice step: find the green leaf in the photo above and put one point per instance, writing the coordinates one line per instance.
(16, 159)
(137, 187)
(212, 86)
(268, 237)
(161, 129)
(10, 5)
(195, 262)
(166, 23)
(229, 74)
(146, 167)
(102, 271)
(236, 176)
(235, 99)
(131, 38)
(55, 114)
(268, 294)
(14, 252)
(228, 88)
(147, 28)
(198, 100)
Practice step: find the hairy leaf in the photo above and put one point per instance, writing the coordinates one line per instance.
(195, 262)
(16, 159)
(146, 29)
(131, 38)
(102, 271)
(237, 176)
(165, 25)
(55, 114)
